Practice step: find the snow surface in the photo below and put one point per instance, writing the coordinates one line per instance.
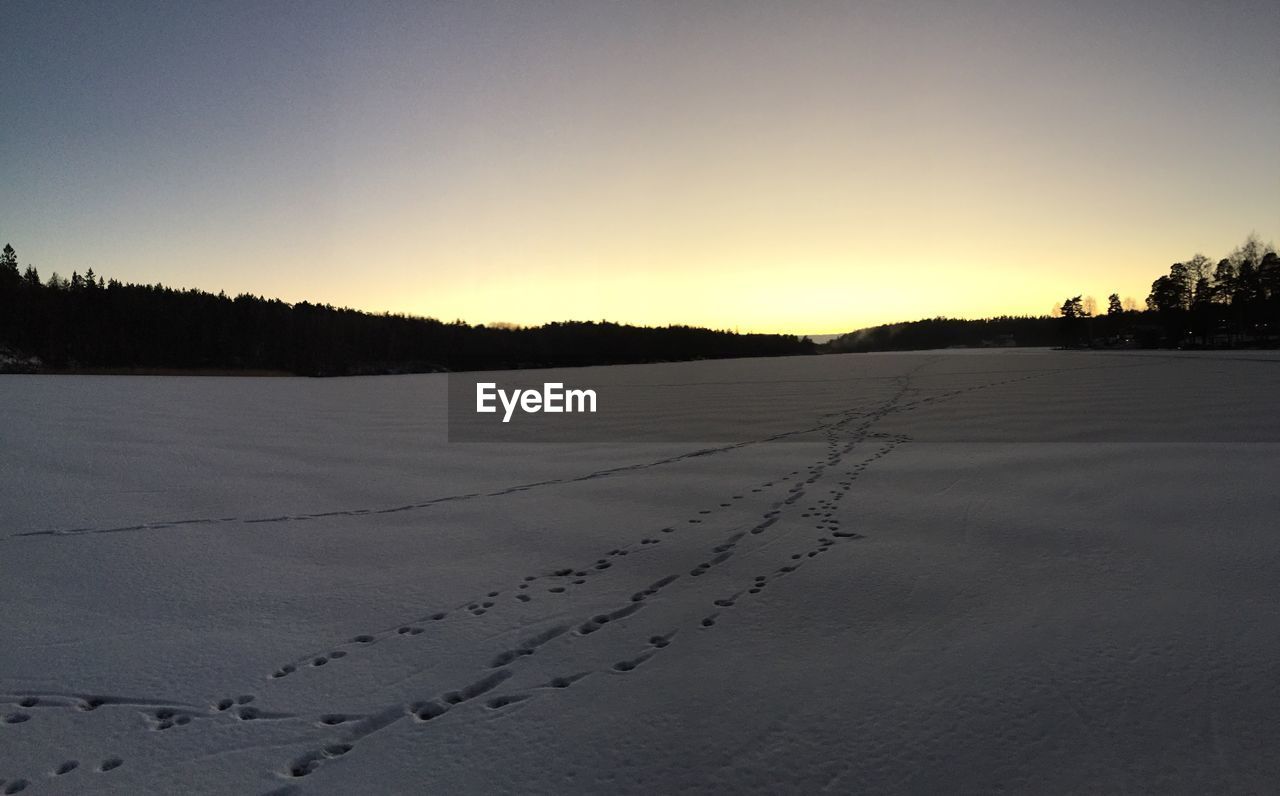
(1029, 571)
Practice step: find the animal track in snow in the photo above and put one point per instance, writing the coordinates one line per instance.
(654, 588)
(563, 578)
(475, 689)
(632, 663)
(505, 700)
(600, 620)
(308, 762)
(334, 719)
(565, 682)
(528, 647)
(168, 718)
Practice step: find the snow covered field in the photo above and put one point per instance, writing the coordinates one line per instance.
(1027, 571)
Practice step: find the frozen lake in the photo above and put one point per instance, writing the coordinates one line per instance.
(1034, 571)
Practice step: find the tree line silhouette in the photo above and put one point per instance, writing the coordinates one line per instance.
(87, 323)
(1235, 301)
(951, 333)
(1232, 303)
(90, 323)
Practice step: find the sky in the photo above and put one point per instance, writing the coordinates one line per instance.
(801, 167)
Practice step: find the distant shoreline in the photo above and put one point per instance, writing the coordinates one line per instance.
(255, 372)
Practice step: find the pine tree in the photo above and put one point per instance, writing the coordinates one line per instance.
(8, 265)
(9, 281)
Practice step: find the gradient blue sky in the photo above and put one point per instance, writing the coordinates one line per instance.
(804, 167)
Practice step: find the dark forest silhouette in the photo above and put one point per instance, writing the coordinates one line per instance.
(951, 332)
(1198, 304)
(1233, 303)
(90, 323)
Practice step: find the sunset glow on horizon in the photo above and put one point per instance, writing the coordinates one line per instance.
(805, 168)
